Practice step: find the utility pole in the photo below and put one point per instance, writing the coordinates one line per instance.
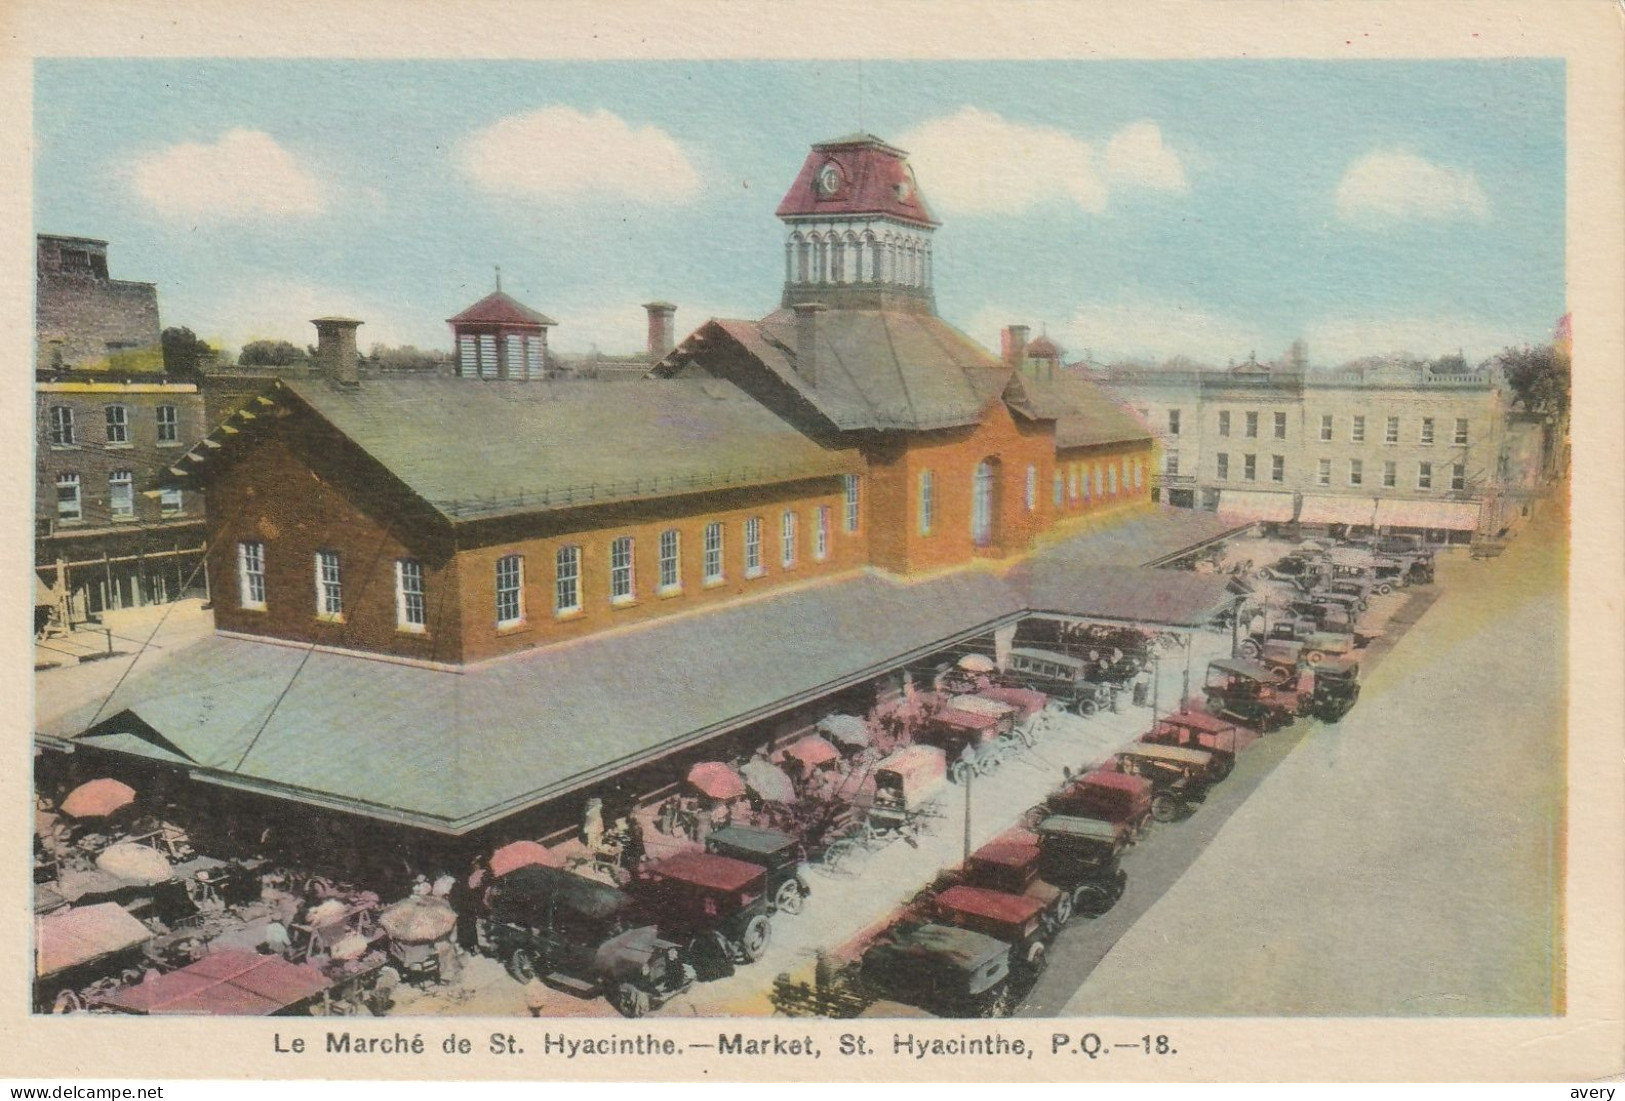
(970, 779)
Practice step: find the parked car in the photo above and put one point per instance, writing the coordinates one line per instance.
(1292, 567)
(714, 907)
(1083, 855)
(1104, 794)
(1335, 689)
(582, 936)
(1060, 675)
(968, 739)
(1009, 863)
(1030, 707)
(1018, 920)
(1318, 644)
(789, 881)
(1246, 693)
(905, 786)
(949, 971)
(1198, 730)
(1180, 777)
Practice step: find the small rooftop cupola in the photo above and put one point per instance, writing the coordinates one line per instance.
(857, 230)
(499, 338)
(1043, 359)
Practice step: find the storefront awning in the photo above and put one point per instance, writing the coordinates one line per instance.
(1354, 511)
(1437, 515)
(1251, 504)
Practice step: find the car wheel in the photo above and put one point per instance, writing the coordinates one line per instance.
(67, 1001)
(1092, 899)
(1164, 808)
(630, 1001)
(1280, 674)
(1085, 708)
(1063, 909)
(1222, 767)
(1250, 649)
(522, 965)
(1314, 657)
(758, 932)
(838, 852)
(1385, 588)
(788, 898)
(1035, 959)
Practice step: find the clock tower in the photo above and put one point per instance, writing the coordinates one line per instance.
(857, 231)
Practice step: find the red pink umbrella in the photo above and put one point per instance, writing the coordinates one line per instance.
(518, 854)
(98, 799)
(716, 780)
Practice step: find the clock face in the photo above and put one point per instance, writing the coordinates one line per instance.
(829, 179)
(905, 186)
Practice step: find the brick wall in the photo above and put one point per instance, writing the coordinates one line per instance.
(77, 317)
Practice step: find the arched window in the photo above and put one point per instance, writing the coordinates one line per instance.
(789, 261)
(837, 259)
(984, 502)
(853, 258)
(803, 259)
(820, 263)
(870, 272)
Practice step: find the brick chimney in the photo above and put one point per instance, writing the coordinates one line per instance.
(661, 340)
(1015, 345)
(807, 340)
(335, 348)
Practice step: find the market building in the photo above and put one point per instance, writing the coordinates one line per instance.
(462, 605)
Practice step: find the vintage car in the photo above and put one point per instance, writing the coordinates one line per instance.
(714, 907)
(1067, 881)
(1063, 676)
(1030, 706)
(1180, 777)
(949, 971)
(1083, 855)
(582, 936)
(1009, 863)
(784, 857)
(1246, 693)
(1336, 686)
(1351, 584)
(905, 785)
(1018, 920)
(1292, 567)
(1104, 794)
(1317, 645)
(970, 740)
(1198, 730)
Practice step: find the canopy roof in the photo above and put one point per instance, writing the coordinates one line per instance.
(69, 937)
(231, 983)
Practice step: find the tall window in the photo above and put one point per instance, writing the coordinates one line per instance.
(251, 575)
(1249, 468)
(1224, 422)
(468, 364)
(621, 581)
(1427, 430)
(821, 533)
(488, 355)
(753, 547)
(981, 516)
(329, 587)
(409, 607)
(713, 553)
(1252, 426)
(168, 425)
(1111, 479)
(68, 505)
(1170, 463)
(510, 590)
(928, 501)
(1073, 482)
(1099, 485)
(1356, 472)
(1323, 473)
(1326, 426)
(121, 494)
(851, 502)
(534, 367)
(1390, 474)
(1224, 465)
(1277, 468)
(670, 563)
(1357, 429)
(118, 424)
(787, 539)
(170, 502)
(1173, 422)
(1060, 488)
(1031, 495)
(1280, 426)
(516, 355)
(567, 580)
(61, 426)
(1424, 475)
(1390, 434)
(1461, 431)
(1458, 476)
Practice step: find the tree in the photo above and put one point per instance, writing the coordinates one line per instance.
(1538, 377)
(269, 353)
(184, 353)
(405, 357)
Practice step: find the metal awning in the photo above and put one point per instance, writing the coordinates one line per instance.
(1252, 504)
(1354, 511)
(1439, 515)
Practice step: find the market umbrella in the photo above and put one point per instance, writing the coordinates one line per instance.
(716, 780)
(134, 863)
(418, 920)
(849, 730)
(977, 663)
(813, 751)
(769, 781)
(98, 798)
(517, 854)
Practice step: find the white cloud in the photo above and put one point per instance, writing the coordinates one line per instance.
(1391, 184)
(1137, 155)
(978, 162)
(562, 153)
(1136, 329)
(1337, 340)
(245, 174)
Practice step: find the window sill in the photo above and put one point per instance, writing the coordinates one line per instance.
(414, 632)
(169, 443)
(564, 615)
(111, 446)
(666, 594)
(505, 629)
(623, 602)
(752, 575)
(63, 446)
(251, 608)
(333, 619)
(714, 582)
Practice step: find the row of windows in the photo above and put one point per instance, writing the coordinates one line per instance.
(410, 607)
(70, 505)
(1425, 431)
(1323, 472)
(1250, 424)
(61, 432)
(1072, 479)
(477, 356)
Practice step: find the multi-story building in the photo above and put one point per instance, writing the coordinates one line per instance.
(1394, 447)
(110, 533)
(444, 602)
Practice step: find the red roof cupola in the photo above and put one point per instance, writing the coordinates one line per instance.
(857, 174)
(499, 338)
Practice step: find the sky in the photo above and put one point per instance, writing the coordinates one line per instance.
(1129, 209)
